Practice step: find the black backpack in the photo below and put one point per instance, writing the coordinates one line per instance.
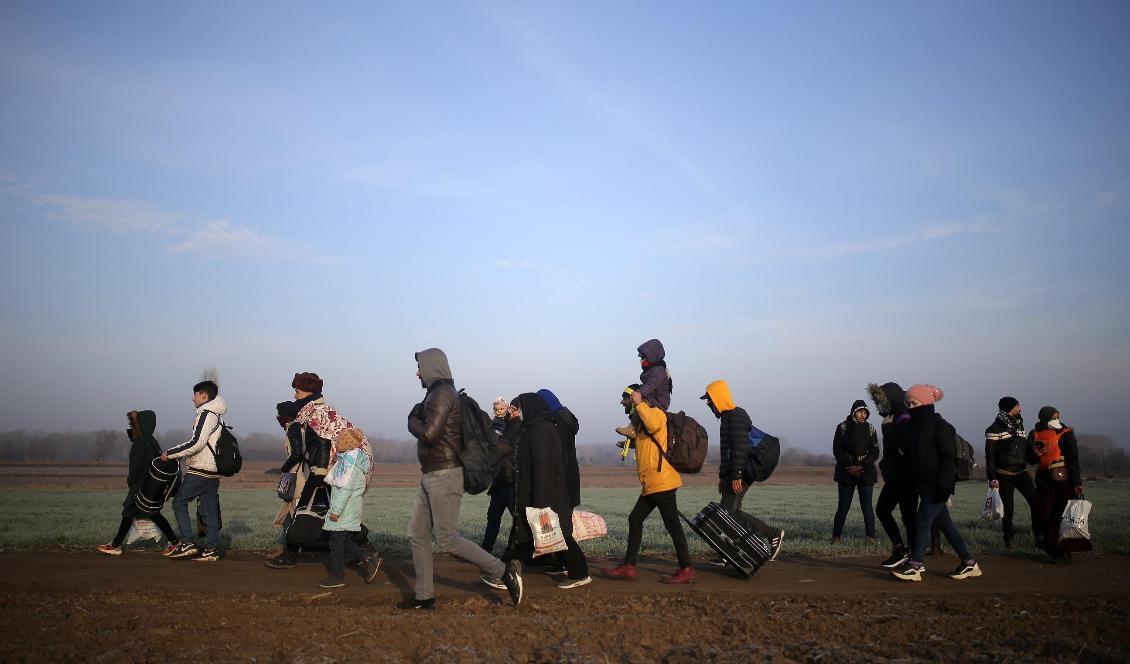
(687, 441)
(964, 461)
(228, 458)
(764, 453)
(480, 446)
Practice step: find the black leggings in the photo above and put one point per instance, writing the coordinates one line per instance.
(158, 519)
(669, 510)
(906, 498)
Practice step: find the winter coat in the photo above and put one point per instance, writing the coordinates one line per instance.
(1006, 446)
(931, 443)
(539, 469)
(144, 448)
(655, 473)
(303, 444)
(347, 501)
(199, 450)
(437, 421)
(890, 401)
(733, 435)
(855, 444)
(1068, 449)
(655, 381)
(504, 478)
(567, 427)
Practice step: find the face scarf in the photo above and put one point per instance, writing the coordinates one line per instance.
(1015, 425)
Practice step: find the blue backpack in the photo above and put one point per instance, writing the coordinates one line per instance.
(764, 453)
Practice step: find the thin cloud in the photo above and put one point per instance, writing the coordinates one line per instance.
(221, 237)
(118, 216)
(925, 234)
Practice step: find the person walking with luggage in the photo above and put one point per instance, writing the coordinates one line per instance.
(660, 482)
(348, 476)
(1059, 478)
(1006, 465)
(898, 473)
(855, 447)
(540, 481)
(144, 448)
(734, 427)
(931, 443)
(437, 424)
(201, 478)
(501, 489)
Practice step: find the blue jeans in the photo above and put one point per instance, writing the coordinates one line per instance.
(932, 513)
(501, 500)
(208, 491)
(847, 490)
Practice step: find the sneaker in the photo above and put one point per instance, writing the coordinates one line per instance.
(717, 562)
(492, 581)
(110, 549)
(556, 570)
(899, 556)
(567, 583)
(168, 550)
(775, 545)
(684, 575)
(627, 432)
(285, 561)
(185, 550)
(208, 555)
(512, 577)
(370, 567)
(626, 572)
(413, 603)
(965, 570)
(333, 581)
(909, 572)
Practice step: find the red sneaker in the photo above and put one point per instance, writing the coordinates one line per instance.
(684, 575)
(169, 549)
(110, 549)
(626, 572)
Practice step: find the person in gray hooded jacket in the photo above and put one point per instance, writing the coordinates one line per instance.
(437, 424)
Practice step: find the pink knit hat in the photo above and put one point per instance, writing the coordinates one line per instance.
(924, 394)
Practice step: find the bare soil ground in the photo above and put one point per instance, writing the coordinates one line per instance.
(392, 475)
(58, 606)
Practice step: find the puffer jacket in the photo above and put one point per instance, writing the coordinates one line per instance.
(655, 380)
(855, 444)
(539, 468)
(199, 449)
(654, 475)
(437, 421)
(346, 501)
(1006, 446)
(931, 443)
(734, 427)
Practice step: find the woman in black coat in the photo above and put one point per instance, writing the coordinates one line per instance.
(1059, 478)
(539, 481)
(855, 446)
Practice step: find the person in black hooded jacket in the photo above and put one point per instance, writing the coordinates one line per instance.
(144, 448)
(539, 481)
(855, 446)
(898, 475)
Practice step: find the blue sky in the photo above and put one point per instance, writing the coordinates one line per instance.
(799, 199)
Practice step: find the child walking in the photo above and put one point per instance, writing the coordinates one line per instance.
(348, 478)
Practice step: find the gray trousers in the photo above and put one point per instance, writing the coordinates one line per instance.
(437, 510)
(732, 503)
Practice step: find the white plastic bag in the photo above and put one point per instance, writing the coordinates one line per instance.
(1073, 523)
(143, 529)
(994, 506)
(546, 527)
(587, 525)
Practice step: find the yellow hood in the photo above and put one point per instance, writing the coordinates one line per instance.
(719, 393)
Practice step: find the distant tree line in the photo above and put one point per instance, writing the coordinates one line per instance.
(1099, 454)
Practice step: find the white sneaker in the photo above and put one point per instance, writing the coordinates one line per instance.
(566, 584)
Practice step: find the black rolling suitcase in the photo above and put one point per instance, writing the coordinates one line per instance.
(739, 546)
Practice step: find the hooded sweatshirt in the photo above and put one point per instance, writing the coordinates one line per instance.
(437, 421)
(199, 450)
(855, 444)
(143, 449)
(890, 400)
(567, 427)
(734, 429)
(655, 381)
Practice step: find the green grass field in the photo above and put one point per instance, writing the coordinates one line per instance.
(35, 518)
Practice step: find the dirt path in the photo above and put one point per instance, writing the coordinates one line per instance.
(59, 606)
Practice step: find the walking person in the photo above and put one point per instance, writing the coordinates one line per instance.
(437, 424)
(501, 490)
(1053, 448)
(898, 474)
(349, 478)
(540, 481)
(659, 482)
(734, 427)
(1006, 466)
(931, 443)
(567, 427)
(144, 448)
(855, 447)
(201, 478)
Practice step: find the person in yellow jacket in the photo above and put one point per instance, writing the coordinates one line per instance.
(660, 482)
